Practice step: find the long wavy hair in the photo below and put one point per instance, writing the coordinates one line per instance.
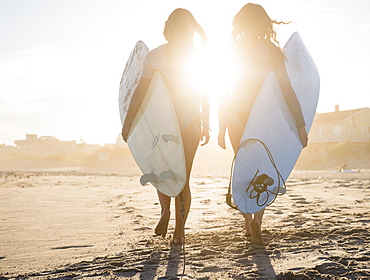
(181, 25)
(253, 21)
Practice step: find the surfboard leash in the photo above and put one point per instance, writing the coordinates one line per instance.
(229, 195)
(182, 208)
(259, 183)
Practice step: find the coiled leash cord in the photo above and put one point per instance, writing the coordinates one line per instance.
(258, 183)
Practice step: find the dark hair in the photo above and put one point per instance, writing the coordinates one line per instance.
(181, 24)
(252, 20)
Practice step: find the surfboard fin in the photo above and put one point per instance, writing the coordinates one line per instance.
(148, 178)
(169, 137)
(169, 175)
(166, 175)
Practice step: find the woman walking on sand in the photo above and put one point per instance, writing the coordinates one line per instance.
(191, 106)
(256, 53)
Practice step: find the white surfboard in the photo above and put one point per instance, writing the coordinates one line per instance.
(131, 77)
(271, 141)
(154, 138)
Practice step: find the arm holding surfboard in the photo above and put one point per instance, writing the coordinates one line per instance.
(292, 101)
(290, 98)
(137, 97)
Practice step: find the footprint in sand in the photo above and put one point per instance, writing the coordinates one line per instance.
(142, 228)
(129, 209)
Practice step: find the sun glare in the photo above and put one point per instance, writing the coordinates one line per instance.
(212, 71)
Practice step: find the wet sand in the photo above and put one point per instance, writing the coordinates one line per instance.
(101, 226)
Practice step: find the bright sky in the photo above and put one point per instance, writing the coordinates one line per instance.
(61, 61)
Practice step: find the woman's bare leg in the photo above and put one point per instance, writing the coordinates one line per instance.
(191, 138)
(256, 229)
(247, 224)
(252, 223)
(165, 202)
(235, 129)
(180, 219)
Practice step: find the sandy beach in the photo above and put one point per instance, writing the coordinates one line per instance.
(74, 224)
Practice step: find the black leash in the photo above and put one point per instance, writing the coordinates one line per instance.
(258, 183)
(182, 207)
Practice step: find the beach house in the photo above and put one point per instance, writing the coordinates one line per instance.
(329, 130)
(341, 126)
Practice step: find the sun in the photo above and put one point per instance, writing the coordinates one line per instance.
(212, 71)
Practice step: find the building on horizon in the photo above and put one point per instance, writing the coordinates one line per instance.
(335, 128)
(50, 145)
(341, 126)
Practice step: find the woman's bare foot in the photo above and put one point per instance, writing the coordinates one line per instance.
(257, 234)
(177, 241)
(177, 238)
(248, 233)
(161, 228)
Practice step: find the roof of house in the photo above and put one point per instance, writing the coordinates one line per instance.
(337, 115)
(48, 138)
